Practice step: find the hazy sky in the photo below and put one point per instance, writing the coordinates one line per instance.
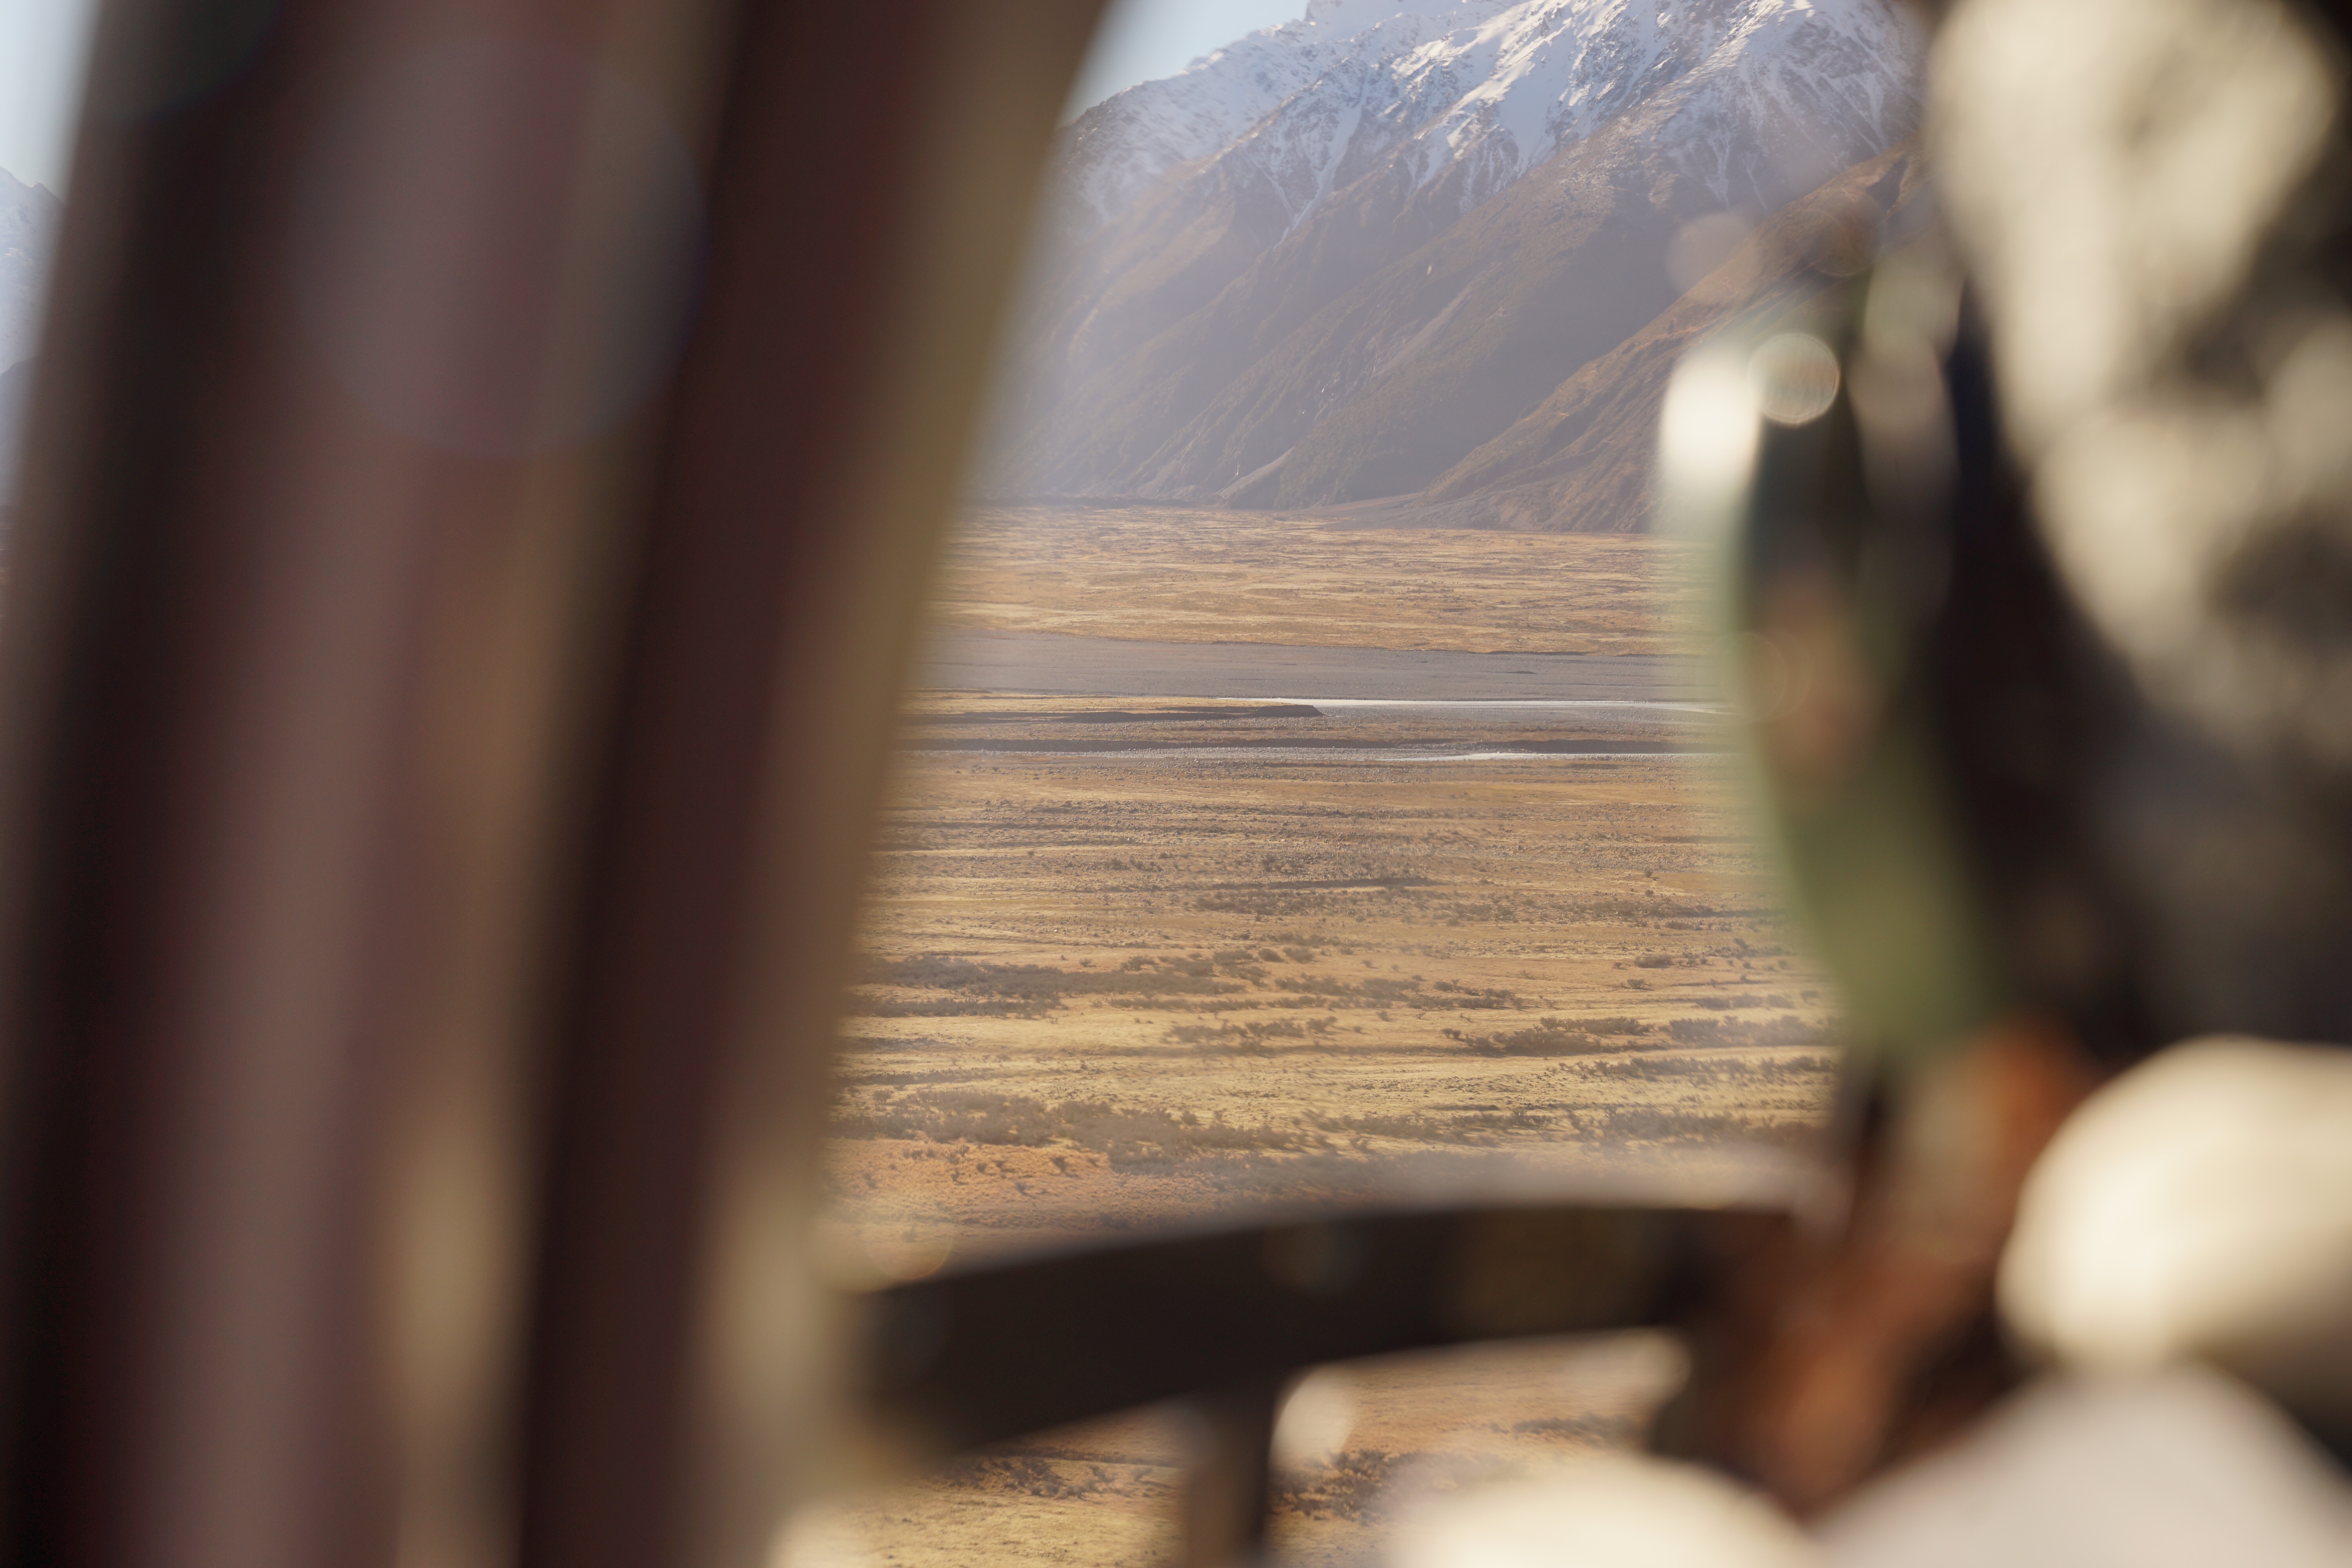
(1142, 40)
(41, 48)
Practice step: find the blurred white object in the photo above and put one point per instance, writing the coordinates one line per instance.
(1318, 1416)
(1618, 1512)
(1707, 433)
(2196, 1211)
(1794, 378)
(823, 1535)
(2186, 1469)
(2125, 176)
(2199, 1205)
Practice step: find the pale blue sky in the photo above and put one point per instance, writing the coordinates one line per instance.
(42, 48)
(1144, 39)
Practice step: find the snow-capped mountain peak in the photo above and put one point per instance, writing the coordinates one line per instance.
(1351, 17)
(1120, 147)
(1319, 265)
(1492, 88)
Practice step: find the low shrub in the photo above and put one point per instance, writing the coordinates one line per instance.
(1126, 1136)
(1548, 1037)
(1785, 1030)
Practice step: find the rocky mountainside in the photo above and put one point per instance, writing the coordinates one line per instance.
(16, 392)
(29, 216)
(1332, 261)
(1584, 457)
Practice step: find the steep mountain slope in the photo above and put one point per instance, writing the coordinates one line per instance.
(1583, 460)
(15, 391)
(1116, 151)
(1467, 202)
(1168, 192)
(29, 216)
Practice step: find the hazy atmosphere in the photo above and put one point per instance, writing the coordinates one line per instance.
(1317, 786)
(42, 48)
(1176, 784)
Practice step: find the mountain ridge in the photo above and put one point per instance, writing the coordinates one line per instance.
(16, 398)
(1582, 461)
(29, 218)
(1379, 275)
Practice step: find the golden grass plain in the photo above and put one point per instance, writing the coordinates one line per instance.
(1281, 960)
(1182, 575)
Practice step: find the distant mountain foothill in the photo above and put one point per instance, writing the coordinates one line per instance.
(16, 392)
(28, 227)
(1433, 260)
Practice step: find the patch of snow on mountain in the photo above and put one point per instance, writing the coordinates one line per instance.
(1795, 92)
(1755, 99)
(1793, 81)
(1116, 151)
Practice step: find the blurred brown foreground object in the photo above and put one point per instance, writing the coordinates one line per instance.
(2059, 735)
(1853, 1346)
(483, 471)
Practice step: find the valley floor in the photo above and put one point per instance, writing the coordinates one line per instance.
(1187, 574)
(1134, 962)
